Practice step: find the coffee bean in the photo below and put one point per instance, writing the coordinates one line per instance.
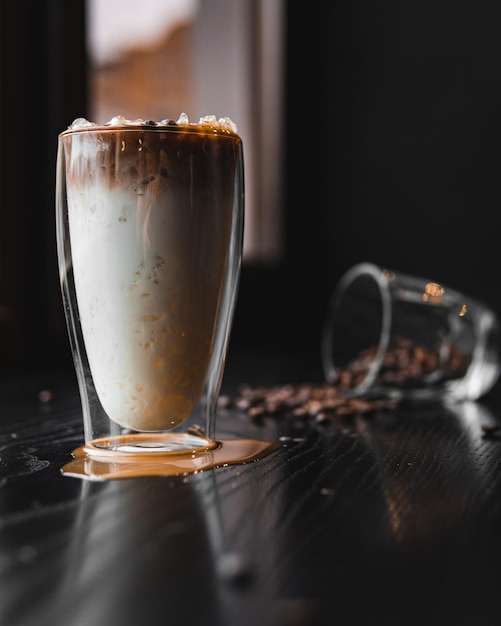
(490, 430)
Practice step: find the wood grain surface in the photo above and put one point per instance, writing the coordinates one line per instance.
(384, 519)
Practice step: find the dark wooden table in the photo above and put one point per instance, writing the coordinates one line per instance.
(388, 519)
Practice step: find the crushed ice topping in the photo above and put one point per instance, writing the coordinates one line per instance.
(80, 122)
(223, 123)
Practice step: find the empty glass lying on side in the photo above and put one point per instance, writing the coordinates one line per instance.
(388, 334)
(149, 233)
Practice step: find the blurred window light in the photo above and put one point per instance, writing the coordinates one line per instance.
(156, 59)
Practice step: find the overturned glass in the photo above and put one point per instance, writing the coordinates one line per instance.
(389, 334)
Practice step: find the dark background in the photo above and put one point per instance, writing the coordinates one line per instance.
(392, 126)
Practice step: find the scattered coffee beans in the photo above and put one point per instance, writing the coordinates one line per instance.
(404, 364)
(303, 401)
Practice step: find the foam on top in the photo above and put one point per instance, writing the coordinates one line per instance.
(118, 121)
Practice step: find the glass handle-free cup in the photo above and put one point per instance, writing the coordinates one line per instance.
(149, 233)
(389, 334)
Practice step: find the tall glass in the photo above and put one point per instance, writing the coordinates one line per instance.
(149, 234)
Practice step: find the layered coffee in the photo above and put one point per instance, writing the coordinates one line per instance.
(151, 219)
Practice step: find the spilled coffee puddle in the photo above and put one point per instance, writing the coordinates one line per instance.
(85, 465)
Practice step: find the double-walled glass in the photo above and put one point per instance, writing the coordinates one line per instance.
(149, 234)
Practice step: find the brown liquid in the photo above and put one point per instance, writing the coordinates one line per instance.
(123, 465)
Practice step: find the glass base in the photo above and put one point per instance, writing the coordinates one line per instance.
(148, 444)
(90, 463)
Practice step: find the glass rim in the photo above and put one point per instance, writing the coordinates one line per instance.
(192, 129)
(378, 276)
